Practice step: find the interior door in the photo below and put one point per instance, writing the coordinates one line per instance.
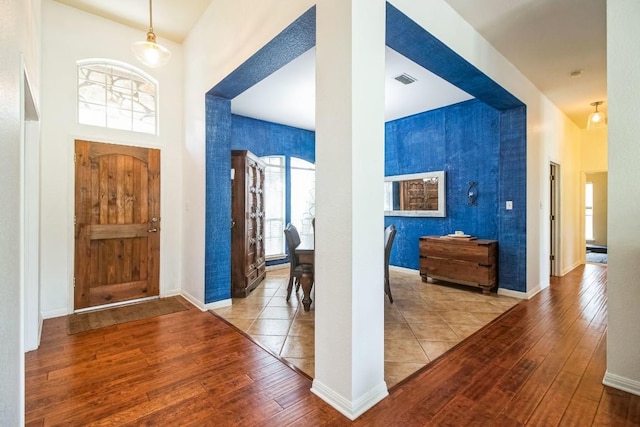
(117, 223)
(554, 236)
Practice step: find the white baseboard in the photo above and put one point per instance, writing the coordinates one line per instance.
(277, 267)
(193, 300)
(520, 295)
(171, 293)
(349, 409)
(218, 304)
(54, 313)
(202, 306)
(404, 269)
(621, 383)
(571, 267)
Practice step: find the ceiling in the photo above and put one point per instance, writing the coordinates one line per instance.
(547, 40)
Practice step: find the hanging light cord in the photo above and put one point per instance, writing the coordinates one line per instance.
(150, 16)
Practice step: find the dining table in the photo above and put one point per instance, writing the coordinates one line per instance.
(305, 253)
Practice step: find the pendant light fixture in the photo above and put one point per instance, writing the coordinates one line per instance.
(149, 52)
(596, 119)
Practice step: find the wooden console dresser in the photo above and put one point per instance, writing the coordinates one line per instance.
(467, 261)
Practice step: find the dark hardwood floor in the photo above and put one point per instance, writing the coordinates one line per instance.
(540, 364)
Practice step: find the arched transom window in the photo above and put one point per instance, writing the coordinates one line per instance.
(116, 95)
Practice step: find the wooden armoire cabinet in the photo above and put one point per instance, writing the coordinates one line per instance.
(247, 227)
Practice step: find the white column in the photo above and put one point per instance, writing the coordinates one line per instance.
(349, 325)
(623, 107)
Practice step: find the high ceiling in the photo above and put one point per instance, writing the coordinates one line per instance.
(547, 40)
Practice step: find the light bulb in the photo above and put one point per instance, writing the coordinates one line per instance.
(150, 53)
(596, 119)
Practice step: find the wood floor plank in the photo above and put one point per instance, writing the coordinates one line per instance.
(580, 412)
(541, 363)
(131, 413)
(555, 402)
(298, 411)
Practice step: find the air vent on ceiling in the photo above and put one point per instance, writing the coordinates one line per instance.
(405, 79)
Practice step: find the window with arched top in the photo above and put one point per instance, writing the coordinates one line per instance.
(116, 95)
(301, 203)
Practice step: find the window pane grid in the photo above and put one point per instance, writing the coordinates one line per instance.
(274, 186)
(129, 98)
(303, 201)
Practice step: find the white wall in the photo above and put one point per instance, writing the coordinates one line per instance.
(623, 291)
(20, 24)
(70, 35)
(565, 150)
(594, 155)
(551, 136)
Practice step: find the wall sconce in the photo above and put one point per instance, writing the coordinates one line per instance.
(472, 193)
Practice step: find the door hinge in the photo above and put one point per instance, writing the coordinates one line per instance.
(552, 257)
(74, 157)
(552, 177)
(74, 220)
(74, 281)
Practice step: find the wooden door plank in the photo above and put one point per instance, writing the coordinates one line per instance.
(120, 192)
(112, 163)
(153, 241)
(82, 272)
(103, 173)
(117, 231)
(127, 190)
(108, 294)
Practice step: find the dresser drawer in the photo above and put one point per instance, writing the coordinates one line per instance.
(478, 251)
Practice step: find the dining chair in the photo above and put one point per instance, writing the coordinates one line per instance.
(296, 269)
(389, 236)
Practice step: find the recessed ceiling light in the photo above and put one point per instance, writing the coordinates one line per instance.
(575, 74)
(405, 79)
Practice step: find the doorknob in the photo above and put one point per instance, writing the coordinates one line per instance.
(153, 230)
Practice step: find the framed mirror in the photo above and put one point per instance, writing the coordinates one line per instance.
(418, 194)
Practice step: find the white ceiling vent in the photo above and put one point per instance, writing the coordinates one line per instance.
(405, 79)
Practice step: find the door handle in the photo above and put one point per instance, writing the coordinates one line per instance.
(153, 230)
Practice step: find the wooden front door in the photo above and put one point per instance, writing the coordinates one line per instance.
(117, 223)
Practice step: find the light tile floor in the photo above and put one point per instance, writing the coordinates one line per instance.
(424, 321)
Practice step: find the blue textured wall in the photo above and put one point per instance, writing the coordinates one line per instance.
(513, 179)
(217, 253)
(292, 42)
(470, 142)
(272, 139)
(464, 141)
(411, 40)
